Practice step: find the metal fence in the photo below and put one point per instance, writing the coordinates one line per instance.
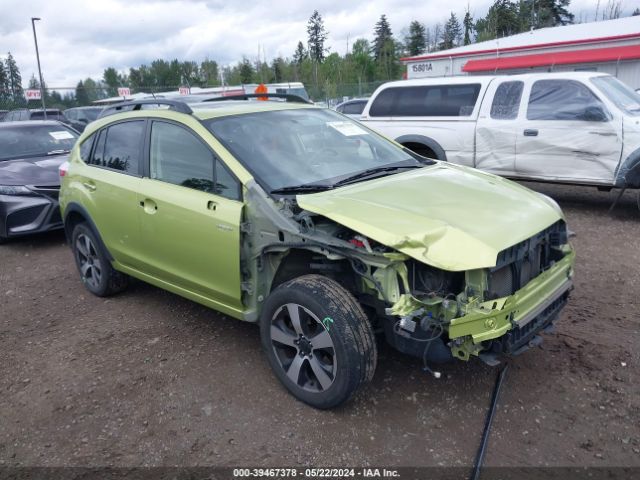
(62, 98)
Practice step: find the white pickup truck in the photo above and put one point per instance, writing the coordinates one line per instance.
(569, 127)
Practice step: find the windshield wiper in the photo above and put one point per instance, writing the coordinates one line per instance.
(373, 171)
(304, 188)
(57, 152)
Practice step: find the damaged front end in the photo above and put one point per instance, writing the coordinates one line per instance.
(499, 310)
(422, 310)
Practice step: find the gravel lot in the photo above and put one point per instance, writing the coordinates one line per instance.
(148, 378)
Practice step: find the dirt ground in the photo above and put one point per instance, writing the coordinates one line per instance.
(148, 378)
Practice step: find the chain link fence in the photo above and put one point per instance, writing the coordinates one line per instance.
(329, 94)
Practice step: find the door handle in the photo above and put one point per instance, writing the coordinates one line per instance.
(90, 186)
(531, 132)
(211, 205)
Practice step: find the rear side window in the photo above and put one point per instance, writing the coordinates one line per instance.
(563, 100)
(506, 101)
(85, 148)
(426, 101)
(118, 147)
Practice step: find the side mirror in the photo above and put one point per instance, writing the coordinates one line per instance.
(595, 113)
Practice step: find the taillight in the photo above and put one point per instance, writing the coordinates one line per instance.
(63, 169)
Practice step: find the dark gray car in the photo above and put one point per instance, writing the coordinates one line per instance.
(30, 154)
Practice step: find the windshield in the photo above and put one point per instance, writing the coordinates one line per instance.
(35, 141)
(616, 91)
(304, 146)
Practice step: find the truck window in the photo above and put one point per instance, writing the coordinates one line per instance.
(506, 101)
(426, 101)
(564, 100)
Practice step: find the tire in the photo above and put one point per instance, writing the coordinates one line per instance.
(344, 356)
(96, 272)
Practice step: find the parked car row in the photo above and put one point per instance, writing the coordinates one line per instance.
(77, 117)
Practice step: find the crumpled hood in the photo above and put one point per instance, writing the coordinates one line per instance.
(32, 171)
(453, 218)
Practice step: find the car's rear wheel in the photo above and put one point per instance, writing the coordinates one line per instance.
(96, 272)
(318, 340)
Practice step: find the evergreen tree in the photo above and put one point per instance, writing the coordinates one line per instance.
(502, 20)
(636, 12)
(5, 92)
(300, 54)
(452, 33)
(246, 71)
(14, 79)
(415, 42)
(317, 37)
(82, 98)
(382, 37)
(467, 24)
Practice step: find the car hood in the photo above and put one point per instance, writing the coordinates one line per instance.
(32, 171)
(450, 217)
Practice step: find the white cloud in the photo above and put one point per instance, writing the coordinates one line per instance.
(80, 38)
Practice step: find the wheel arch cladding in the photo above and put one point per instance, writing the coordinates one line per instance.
(75, 214)
(426, 141)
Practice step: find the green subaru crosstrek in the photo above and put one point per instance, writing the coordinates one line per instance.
(320, 230)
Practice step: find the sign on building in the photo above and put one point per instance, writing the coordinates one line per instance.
(184, 90)
(124, 92)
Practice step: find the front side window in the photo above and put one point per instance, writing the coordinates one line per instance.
(506, 101)
(178, 156)
(118, 147)
(564, 100)
(426, 101)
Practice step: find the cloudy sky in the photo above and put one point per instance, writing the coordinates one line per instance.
(80, 38)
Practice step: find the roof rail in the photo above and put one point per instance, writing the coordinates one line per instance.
(246, 96)
(131, 105)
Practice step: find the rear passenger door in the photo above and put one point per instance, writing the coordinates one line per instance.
(190, 208)
(568, 134)
(109, 181)
(497, 127)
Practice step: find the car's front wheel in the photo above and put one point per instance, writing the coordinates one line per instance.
(96, 272)
(318, 340)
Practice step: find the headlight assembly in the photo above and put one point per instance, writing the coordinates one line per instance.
(14, 190)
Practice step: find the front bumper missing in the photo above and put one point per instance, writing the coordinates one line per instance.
(517, 318)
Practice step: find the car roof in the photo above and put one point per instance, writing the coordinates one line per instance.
(483, 79)
(207, 110)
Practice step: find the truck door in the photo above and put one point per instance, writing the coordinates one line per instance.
(568, 134)
(497, 127)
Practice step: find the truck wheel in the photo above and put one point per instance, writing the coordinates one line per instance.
(318, 340)
(96, 272)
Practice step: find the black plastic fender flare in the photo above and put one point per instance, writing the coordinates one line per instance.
(80, 210)
(427, 142)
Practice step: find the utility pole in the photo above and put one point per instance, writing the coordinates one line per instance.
(35, 39)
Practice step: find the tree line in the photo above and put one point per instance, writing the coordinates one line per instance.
(325, 74)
